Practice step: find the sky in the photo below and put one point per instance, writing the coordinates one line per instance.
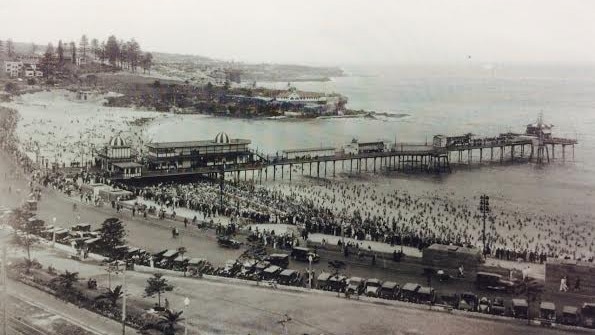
(321, 32)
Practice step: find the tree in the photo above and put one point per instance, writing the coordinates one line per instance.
(147, 62)
(102, 52)
(60, 52)
(84, 44)
(67, 279)
(112, 295)
(10, 87)
(157, 285)
(95, 47)
(112, 50)
(73, 52)
(10, 48)
(133, 53)
(112, 235)
(48, 61)
(169, 321)
(23, 235)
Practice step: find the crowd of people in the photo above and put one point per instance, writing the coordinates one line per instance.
(362, 211)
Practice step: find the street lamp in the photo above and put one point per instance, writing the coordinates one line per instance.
(310, 271)
(221, 182)
(484, 207)
(186, 304)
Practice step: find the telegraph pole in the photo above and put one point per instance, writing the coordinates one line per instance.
(484, 207)
(4, 291)
(124, 300)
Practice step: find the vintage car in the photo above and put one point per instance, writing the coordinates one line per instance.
(389, 290)
(227, 242)
(409, 292)
(356, 285)
(165, 259)
(280, 260)
(425, 295)
(180, 263)
(337, 283)
(82, 227)
(468, 302)
(322, 281)
(449, 300)
(373, 287)
(588, 315)
(484, 305)
(570, 316)
(199, 266)
(498, 307)
(520, 308)
(290, 277)
(271, 273)
(303, 254)
(547, 313)
(230, 269)
(495, 282)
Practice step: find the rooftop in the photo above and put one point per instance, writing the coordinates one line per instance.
(193, 144)
(288, 151)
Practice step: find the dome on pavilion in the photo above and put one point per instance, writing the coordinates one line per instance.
(222, 138)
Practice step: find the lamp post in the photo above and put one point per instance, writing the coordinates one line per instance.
(221, 182)
(484, 207)
(186, 304)
(310, 271)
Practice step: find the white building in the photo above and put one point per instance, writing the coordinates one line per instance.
(293, 95)
(13, 68)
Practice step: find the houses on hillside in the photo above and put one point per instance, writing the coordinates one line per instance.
(18, 69)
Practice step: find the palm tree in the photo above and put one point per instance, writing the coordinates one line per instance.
(112, 295)
(66, 279)
(169, 321)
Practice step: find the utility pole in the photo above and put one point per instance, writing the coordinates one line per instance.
(4, 291)
(484, 207)
(124, 300)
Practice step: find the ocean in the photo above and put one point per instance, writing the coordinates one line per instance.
(484, 100)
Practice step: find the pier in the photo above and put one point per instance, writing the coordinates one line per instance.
(233, 158)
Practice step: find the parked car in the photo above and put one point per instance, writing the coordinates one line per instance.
(498, 307)
(230, 269)
(323, 281)
(495, 282)
(227, 242)
(337, 283)
(389, 290)
(280, 260)
(373, 287)
(484, 305)
(271, 273)
(450, 300)
(520, 308)
(547, 313)
(356, 285)
(468, 302)
(290, 277)
(588, 315)
(408, 292)
(303, 254)
(426, 295)
(570, 316)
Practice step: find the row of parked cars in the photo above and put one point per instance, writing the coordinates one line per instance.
(467, 301)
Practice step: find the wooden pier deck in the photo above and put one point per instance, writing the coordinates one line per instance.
(404, 157)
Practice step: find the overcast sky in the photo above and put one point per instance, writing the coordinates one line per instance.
(332, 32)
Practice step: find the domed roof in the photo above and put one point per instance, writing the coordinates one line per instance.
(222, 138)
(117, 141)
